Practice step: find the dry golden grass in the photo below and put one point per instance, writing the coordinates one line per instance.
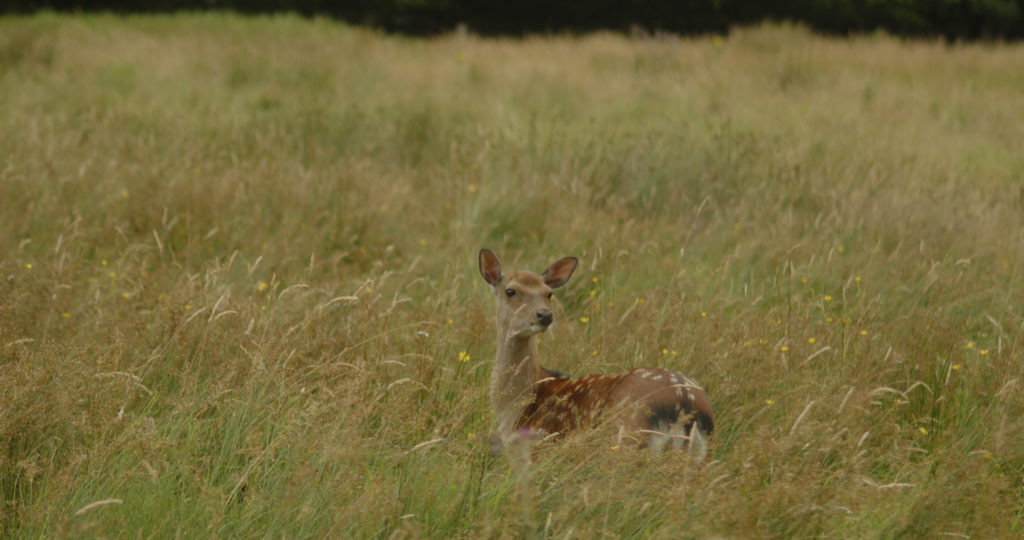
(239, 293)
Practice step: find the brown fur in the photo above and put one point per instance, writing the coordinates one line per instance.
(563, 403)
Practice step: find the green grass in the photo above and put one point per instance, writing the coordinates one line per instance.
(238, 262)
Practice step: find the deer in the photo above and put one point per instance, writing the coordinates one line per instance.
(658, 408)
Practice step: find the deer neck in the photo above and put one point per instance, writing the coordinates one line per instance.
(513, 380)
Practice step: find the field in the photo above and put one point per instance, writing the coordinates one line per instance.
(239, 294)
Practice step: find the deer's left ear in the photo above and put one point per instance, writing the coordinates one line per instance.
(559, 273)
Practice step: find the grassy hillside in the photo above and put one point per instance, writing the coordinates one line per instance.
(239, 293)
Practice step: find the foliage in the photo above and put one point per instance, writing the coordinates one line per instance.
(953, 19)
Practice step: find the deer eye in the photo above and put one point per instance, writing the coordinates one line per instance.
(510, 292)
(550, 294)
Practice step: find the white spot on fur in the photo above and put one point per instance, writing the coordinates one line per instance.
(677, 436)
(698, 442)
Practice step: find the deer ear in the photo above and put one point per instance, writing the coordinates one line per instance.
(559, 273)
(490, 267)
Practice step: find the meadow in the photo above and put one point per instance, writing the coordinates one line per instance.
(239, 293)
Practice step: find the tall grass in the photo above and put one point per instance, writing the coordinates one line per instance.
(239, 295)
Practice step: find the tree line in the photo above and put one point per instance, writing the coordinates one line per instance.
(951, 19)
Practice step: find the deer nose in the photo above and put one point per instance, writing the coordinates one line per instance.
(544, 317)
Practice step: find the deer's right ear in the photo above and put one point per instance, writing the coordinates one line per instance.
(490, 267)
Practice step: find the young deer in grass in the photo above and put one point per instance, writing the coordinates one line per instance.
(658, 407)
